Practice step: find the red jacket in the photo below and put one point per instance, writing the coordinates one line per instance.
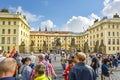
(66, 72)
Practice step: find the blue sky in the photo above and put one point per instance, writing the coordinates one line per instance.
(68, 15)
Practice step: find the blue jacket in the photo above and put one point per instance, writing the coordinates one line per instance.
(7, 78)
(105, 70)
(81, 71)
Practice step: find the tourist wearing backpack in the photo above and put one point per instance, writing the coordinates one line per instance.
(25, 71)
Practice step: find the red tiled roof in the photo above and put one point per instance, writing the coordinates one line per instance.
(51, 32)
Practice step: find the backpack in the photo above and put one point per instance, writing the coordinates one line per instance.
(19, 75)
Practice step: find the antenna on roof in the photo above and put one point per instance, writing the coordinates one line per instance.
(46, 28)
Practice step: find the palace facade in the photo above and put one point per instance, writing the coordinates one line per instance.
(103, 36)
(14, 30)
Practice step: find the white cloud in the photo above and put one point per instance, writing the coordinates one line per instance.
(30, 17)
(111, 7)
(79, 23)
(48, 23)
(33, 29)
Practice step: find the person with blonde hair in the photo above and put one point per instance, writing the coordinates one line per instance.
(8, 67)
(81, 71)
(40, 73)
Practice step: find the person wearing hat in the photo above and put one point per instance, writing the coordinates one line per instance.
(105, 69)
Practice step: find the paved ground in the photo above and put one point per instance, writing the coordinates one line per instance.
(58, 69)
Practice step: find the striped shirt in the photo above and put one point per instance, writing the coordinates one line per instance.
(48, 66)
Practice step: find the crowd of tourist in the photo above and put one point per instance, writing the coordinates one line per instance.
(75, 67)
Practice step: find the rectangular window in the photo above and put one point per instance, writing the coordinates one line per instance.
(3, 40)
(108, 26)
(113, 41)
(14, 31)
(109, 48)
(108, 33)
(113, 48)
(3, 31)
(3, 22)
(8, 31)
(14, 22)
(109, 41)
(14, 40)
(117, 26)
(97, 35)
(9, 23)
(117, 48)
(117, 33)
(117, 41)
(8, 40)
(113, 34)
(8, 48)
(101, 34)
(113, 26)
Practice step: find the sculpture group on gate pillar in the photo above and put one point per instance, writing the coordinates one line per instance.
(72, 45)
(96, 48)
(58, 42)
(102, 48)
(86, 47)
(32, 46)
(73, 42)
(45, 45)
(22, 47)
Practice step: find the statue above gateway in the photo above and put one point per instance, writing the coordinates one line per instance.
(73, 41)
(58, 42)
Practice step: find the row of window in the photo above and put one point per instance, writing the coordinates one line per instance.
(113, 48)
(8, 22)
(13, 23)
(113, 41)
(101, 28)
(8, 31)
(97, 36)
(24, 34)
(97, 29)
(113, 33)
(8, 48)
(8, 39)
(109, 34)
(113, 26)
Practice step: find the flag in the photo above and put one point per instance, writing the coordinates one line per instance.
(12, 53)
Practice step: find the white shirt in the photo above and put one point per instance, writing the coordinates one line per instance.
(33, 58)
